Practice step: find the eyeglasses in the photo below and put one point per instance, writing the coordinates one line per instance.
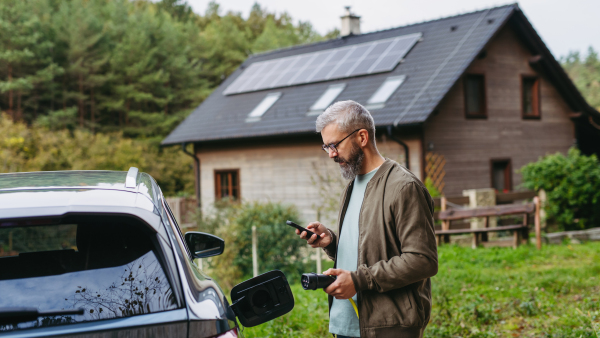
(333, 146)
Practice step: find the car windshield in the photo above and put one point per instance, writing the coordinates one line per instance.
(104, 265)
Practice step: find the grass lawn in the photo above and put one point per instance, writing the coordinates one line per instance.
(488, 292)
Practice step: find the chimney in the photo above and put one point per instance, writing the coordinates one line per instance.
(350, 23)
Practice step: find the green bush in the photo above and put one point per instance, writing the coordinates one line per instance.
(433, 191)
(278, 245)
(572, 185)
(38, 148)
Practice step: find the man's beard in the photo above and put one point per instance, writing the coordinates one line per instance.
(352, 163)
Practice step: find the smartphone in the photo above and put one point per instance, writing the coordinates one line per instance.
(308, 232)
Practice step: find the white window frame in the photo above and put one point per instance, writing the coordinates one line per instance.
(385, 91)
(325, 100)
(264, 105)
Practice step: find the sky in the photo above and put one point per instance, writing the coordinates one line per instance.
(564, 26)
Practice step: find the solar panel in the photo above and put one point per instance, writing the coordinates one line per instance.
(336, 63)
(273, 74)
(307, 73)
(344, 68)
(338, 57)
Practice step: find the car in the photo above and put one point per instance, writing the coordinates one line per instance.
(99, 253)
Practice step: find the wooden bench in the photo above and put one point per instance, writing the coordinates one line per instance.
(520, 231)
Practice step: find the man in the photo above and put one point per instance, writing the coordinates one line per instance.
(386, 251)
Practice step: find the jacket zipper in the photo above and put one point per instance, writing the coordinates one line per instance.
(358, 293)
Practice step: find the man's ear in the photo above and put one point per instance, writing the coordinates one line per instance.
(363, 135)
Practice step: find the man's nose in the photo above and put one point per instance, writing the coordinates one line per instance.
(331, 153)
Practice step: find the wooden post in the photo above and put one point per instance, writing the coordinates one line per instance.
(475, 242)
(525, 232)
(254, 252)
(516, 238)
(445, 224)
(486, 224)
(538, 227)
(319, 267)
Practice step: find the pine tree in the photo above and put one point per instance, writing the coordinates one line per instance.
(23, 55)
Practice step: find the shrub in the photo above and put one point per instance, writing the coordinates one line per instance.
(39, 148)
(433, 191)
(278, 245)
(572, 185)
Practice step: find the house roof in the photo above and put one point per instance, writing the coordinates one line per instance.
(435, 63)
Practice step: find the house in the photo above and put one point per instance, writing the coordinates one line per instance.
(466, 100)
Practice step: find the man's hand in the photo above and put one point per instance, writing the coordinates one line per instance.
(317, 228)
(343, 287)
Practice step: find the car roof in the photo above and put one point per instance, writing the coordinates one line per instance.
(30, 194)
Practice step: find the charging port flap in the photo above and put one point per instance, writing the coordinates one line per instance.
(262, 298)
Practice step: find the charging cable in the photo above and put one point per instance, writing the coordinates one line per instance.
(354, 306)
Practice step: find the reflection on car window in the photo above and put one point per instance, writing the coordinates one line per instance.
(107, 268)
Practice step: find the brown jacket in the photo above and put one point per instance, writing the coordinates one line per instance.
(397, 253)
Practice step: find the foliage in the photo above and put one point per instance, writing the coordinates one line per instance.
(433, 191)
(278, 245)
(102, 82)
(38, 148)
(572, 184)
(490, 292)
(135, 66)
(585, 73)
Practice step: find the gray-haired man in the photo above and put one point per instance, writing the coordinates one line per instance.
(385, 252)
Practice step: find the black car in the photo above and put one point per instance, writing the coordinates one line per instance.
(99, 253)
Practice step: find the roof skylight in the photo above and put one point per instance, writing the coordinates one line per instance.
(325, 100)
(384, 92)
(263, 106)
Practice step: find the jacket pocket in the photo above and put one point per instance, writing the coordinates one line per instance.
(391, 308)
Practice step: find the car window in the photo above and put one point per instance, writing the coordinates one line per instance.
(107, 266)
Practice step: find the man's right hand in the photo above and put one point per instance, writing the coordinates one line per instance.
(317, 228)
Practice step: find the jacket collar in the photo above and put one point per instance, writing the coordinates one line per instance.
(384, 168)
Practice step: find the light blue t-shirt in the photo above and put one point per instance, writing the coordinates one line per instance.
(342, 318)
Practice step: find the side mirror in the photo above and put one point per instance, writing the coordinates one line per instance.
(262, 298)
(204, 245)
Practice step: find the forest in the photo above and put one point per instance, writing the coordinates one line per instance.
(97, 84)
(102, 74)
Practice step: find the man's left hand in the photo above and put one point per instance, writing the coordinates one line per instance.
(343, 287)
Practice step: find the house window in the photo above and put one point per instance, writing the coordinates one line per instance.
(531, 97)
(501, 175)
(475, 96)
(227, 184)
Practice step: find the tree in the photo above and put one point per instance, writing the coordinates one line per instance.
(24, 54)
(82, 32)
(585, 73)
(178, 9)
